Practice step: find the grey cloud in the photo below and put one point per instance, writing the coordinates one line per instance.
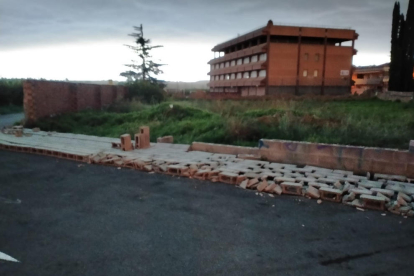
(27, 23)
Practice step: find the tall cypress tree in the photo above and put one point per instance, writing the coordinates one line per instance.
(395, 65)
(408, 51)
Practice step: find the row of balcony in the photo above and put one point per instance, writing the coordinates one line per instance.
(260, 65)
(262, 48)
(239, 82)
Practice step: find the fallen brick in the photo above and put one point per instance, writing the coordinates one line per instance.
(401, 201)
(404, 196)
(229, 178)
(373, 202)
(384, 197)
(358, 203)
(262, 186)
(317, 185)
(338, 185)
(292, 188)
(252, 182)
(348, 197)
(331, 194)
(312, 192)
(243, 185)
(405, 209)
(278, 190)
(370, 184)
(383, 191)
(270, 187)
(359, 191)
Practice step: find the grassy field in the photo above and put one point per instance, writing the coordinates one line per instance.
(370, 122)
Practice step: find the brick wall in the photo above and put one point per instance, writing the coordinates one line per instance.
(46, 98)
(352, 158)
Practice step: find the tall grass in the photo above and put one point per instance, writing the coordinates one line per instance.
(354, 122)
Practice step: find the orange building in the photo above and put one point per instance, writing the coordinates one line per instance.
(371, 78)
(285, 60)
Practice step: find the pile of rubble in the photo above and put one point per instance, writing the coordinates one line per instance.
(383, 192)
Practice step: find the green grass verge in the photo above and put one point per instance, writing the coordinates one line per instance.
(10, 109)
(352, 122)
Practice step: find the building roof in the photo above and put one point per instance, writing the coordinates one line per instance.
(288, 31)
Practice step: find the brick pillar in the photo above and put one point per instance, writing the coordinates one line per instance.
(29, 102)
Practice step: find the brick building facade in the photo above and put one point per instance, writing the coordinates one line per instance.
(285, 60)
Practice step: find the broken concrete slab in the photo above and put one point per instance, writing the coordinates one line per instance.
(312, 192)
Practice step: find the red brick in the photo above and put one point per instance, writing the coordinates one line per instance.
(351, 152)
(379, 154)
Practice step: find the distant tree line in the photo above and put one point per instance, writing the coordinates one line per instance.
(402, 49)
(11, 92)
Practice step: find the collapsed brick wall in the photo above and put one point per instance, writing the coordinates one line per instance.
(46, 98)
(335, 157)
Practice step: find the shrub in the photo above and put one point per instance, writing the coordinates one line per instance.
(11, 92)
(145, 92)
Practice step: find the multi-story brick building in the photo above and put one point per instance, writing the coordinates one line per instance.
(285, 59)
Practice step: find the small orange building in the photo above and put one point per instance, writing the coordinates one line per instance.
(285, 60)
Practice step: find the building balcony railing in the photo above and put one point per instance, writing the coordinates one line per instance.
(260, 65)
(375, 81)
(238, 82)
(262, 48)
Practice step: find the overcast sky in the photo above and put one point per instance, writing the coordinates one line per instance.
(83, 39)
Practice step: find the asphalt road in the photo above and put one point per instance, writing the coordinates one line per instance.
(96, 220)
(10, 119)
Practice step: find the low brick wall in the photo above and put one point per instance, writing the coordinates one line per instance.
(46, 98)
(223, 149)
(338, 157)
(350, 158)
(392, 96)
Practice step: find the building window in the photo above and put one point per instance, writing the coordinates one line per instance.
(253, 74)
(211, 67)
(239, 75)
(305, 73)
(262, 73)
(227, 77)
(263, 57)
(239, 61)
(246, 75)
(217, 78)
(221, 65)
(217, 66)
(315, 73)
(233, 63)
(221, 77)
(360, 76)
(306, 57)
(317, 56)
(233, 76)
(246, 60)
(254, 59)
(227, 64)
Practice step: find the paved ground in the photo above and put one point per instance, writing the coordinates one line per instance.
(96, 220)
(10, 119)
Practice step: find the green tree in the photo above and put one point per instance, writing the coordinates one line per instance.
(395, 65)
(402, 49)
(408, 50)
(145, 69)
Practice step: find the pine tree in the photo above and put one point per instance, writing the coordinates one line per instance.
(146, 69)
(395, 49)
